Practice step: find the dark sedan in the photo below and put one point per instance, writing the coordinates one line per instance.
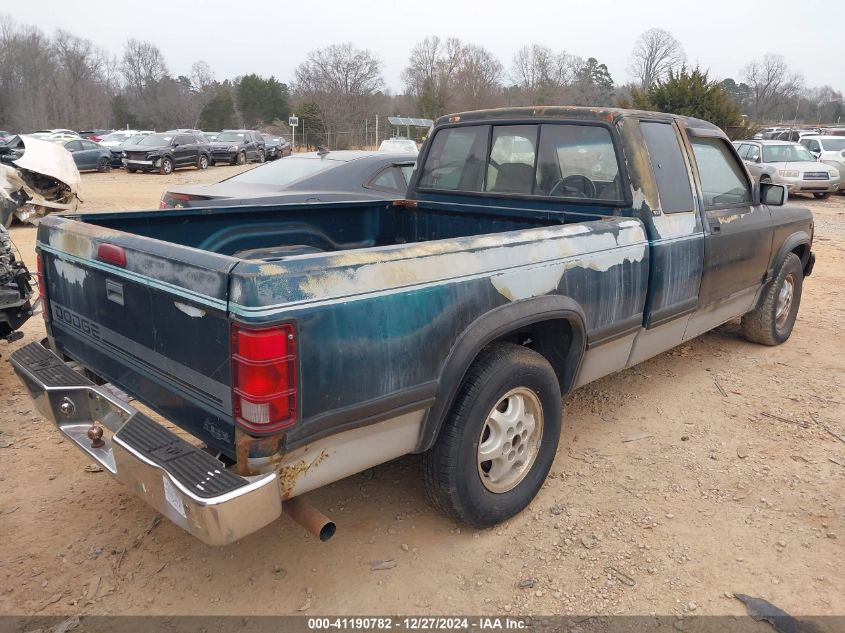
(309, 177)
(276, 147)
(88, 155)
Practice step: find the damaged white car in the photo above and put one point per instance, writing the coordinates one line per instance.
(36, 178)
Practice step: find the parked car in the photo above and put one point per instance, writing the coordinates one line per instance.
(789, 164)
(238, 147)
(306, 177)
(121, 136)
(831, 151)
(116, 149)
(303, 343)
(165, 152)
(399, 145)
(94, 135)
(44, 133)
(276, 147)
(16, 289)
(88, 155)
(835, 131)
(211, 136)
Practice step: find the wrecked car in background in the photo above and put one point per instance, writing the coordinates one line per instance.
(15, 290)
(36, 178)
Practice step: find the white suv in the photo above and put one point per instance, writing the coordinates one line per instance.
(830, 150)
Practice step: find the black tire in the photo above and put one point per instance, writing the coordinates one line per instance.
(241, 158)
(202, 162)
(166, 166)
(771, 323)
(822, 195)
(453, 470)
(104, 165)
(132, 170)
(262, 156)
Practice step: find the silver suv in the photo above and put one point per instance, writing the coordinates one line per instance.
(789, 164)
(831, 151)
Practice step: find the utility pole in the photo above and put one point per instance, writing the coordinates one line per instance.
(376, 143)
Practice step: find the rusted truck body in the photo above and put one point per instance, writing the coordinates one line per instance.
(538, 249)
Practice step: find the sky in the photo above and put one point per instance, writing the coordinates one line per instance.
(270, 38)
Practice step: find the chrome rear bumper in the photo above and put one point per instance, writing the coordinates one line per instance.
(178, 479)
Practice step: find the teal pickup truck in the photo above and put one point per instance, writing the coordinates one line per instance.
(538, 249)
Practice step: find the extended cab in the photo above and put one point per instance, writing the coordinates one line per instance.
(538, 250)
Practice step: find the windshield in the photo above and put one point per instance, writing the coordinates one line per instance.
(156, 140)
(231, 136)
(272, 142)
(834, 144)
(786, 154)
(285, 171)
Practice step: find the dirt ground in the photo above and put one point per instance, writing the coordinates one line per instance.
(717, 467)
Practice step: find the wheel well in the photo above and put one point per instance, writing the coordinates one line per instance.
(803, 252)
(552, 339)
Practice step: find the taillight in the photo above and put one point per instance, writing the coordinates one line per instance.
(174, 200)
(42, 286)
(264, 377)
(111, 254)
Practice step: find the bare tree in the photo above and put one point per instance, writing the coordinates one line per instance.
(477, 79)
(771, 84)
(143, 65)
(430, 75)
(655, 54)
(540, 73)
(341, 81)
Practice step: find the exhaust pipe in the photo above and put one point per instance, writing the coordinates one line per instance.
(310, 518)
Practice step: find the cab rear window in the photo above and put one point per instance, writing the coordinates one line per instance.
(566, 161)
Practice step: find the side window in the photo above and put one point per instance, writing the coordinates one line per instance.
(742, 149)
(511, 165)
(723, 181)
(456, 159)
(753, 154)
(74, 146)
(668, 166)
(577, 161)
(388, 179)
(813, 145)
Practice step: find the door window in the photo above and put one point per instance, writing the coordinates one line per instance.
(73, 146)
(723, 181)
(388, 179)
(668, 166)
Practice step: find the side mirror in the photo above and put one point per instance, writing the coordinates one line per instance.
(816, 153)
(773, 195)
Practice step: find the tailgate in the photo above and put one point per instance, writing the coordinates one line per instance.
(147, 315)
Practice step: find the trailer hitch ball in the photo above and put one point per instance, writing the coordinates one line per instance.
(95, 434)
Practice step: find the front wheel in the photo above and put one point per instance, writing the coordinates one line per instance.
(202, 162)
(104, 165)
(132, 170)
(771, 322)
(822, 196)
(241, 158)
(166, 166)
(262, 156)
(500, 437)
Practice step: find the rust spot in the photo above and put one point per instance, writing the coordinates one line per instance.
(291, 473)
(247, 446)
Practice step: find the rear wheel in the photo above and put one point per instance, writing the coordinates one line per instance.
(500, 437)
(822, 196)
(166, 166)
(771, 322)
(202, 162)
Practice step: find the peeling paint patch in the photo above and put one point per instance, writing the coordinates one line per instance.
(191, 311)
(70, 273)
(525, 284)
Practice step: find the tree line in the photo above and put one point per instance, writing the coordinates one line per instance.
(67, 81)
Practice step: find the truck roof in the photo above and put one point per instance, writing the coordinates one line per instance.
(567, 112)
